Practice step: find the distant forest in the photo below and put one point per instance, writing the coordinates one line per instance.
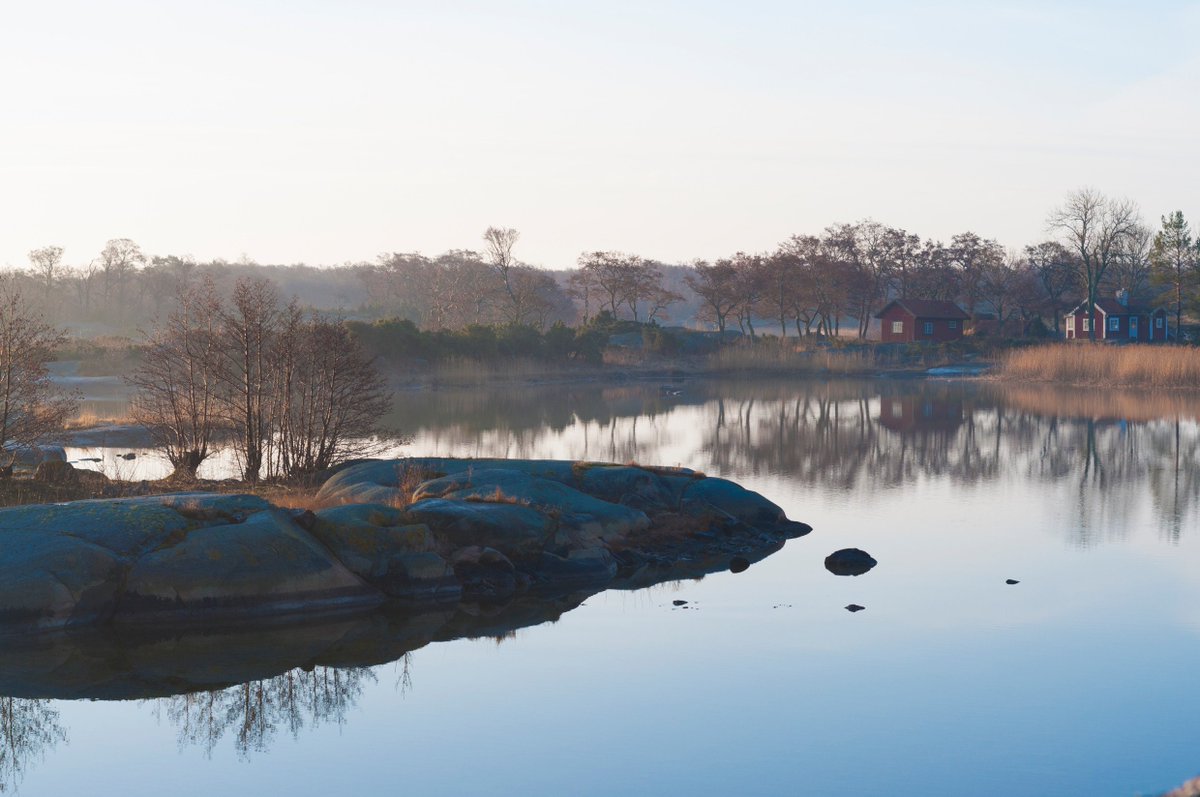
(827, 283)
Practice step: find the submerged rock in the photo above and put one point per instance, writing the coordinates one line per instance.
(854, 607)
(1011, 581)
(849, 562)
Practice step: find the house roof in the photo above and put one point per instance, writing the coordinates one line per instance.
(1113, 307)
(926, 308)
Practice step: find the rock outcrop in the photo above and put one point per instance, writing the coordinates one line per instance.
(424, 531)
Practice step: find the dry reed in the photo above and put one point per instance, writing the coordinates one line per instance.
(1115, 366)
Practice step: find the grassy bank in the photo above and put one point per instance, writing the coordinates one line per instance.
(1106, 365)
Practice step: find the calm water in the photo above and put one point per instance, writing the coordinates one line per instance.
(1079, 680)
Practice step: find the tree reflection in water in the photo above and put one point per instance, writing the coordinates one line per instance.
(1111, 449)
(29, 728)
(255, 712)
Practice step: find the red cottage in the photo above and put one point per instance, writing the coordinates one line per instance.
(920, 320)
(1117, 320)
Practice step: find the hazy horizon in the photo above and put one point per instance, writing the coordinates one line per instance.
(333, 132)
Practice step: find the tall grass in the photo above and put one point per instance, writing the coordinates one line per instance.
(1096, 364)
(772, 358)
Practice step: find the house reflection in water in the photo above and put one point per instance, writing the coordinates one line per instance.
(921, 412)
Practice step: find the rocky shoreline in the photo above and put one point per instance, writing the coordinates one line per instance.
(409, 532)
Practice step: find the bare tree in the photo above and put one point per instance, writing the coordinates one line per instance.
(31, 405)
(334, 399)
(716, 285)
(177, 390)
(47, 264)
(250, 327)
(119, 258)
(1095, 228)
(1054, 266)
(498, 246)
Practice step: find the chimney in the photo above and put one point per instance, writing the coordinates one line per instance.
(1123, 297)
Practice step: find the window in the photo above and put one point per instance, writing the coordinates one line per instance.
(1158, 322)
(928, 327)
(1070, 323)
(953, 324)
(897, 409)
(897, 327)
(1114, 324)
(1087, 324)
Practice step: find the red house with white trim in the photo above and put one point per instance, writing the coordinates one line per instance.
(920, 320)
(1118, 320)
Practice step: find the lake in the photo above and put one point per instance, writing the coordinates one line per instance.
(1078, 680)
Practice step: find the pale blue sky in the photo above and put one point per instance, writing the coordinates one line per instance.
(331, 131)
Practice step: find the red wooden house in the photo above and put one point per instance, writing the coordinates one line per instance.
(920, 320)
(1118, 320)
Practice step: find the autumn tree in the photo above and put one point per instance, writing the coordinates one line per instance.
(31, 405)
(1095, 228)
(1175, 258)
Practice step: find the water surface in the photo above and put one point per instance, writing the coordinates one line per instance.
(1077, 680)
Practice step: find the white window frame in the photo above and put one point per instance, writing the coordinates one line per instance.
(1087, 324)
(953, 323)
(928, 327)
(1158, 323)
(1070, 323)
(1114, 324)
(897, 327)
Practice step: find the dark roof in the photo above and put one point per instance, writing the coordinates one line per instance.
(926, 308)
(1113, 307)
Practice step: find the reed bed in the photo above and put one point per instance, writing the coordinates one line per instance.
(1114, 366)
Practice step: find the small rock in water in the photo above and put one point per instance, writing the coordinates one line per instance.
(739, 564)
(678, 603)
(130, 455)
(849, 562)
(1011, 581)
(854, 607)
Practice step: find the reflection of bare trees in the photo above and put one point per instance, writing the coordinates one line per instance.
(254, 712)
(28, 729)
(1108, 450)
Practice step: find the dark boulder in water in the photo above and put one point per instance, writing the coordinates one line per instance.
(854, 607)
(1011, 581)
(849, 562)
(739, 564)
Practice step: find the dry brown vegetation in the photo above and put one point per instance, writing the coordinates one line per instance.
(1136, 406)
(765, 358)
(1116, 366)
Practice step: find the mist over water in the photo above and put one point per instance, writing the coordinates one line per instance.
(1076, 680)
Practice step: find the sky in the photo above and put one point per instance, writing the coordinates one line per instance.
(327, 132)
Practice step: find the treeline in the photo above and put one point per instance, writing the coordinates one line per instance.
(826, 283)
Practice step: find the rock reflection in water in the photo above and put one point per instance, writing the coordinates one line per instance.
(251, 684)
